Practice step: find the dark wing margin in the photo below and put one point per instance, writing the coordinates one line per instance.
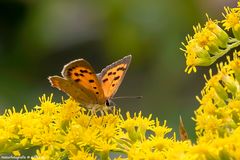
(111, 76)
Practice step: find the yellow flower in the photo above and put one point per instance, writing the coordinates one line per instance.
(83, 155)
(160, 130)
(218, 112)
(120, 158)
(105, 146)
(222, 36)
(205, 122)
(47, 106)
(195, 56)
(204, 47)
(161, 143)
(137, 126)
(144, 150)
(204, 152)
(231, 20)
(16, 153)
(179, 150)
(48, 152)
(68, 110)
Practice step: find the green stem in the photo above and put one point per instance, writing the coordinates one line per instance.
(13, 147)
(234, 43)
(105, 156)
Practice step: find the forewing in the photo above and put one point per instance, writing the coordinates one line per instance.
(81, 73)
(73, 90)
(111, 77)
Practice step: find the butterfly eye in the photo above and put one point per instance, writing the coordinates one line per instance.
(110, 103)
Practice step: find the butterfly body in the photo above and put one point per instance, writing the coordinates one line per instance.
(88, 88)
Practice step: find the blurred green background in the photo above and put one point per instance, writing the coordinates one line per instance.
(38, 37)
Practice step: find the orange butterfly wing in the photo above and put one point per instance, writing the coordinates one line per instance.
(111, 77)
(82, 76)
(80, 94)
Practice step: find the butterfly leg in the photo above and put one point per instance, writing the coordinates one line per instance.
(90, 120)
(103, 111)
(92, 111)
(111, 109)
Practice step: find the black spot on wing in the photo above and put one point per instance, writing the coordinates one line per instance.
(121, 69)
(83, 71)
(77, 80)
(110, 73)
(105, 80)
(91, 81)
(116, 78)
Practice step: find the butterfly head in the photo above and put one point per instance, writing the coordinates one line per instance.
(110, 103)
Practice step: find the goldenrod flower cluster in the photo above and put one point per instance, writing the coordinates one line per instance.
(66, 130)
(218, 116)
(220, 103)
(212, 41)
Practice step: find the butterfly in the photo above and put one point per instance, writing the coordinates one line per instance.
(91, 90)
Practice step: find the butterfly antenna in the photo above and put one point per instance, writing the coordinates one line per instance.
(128, 97)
